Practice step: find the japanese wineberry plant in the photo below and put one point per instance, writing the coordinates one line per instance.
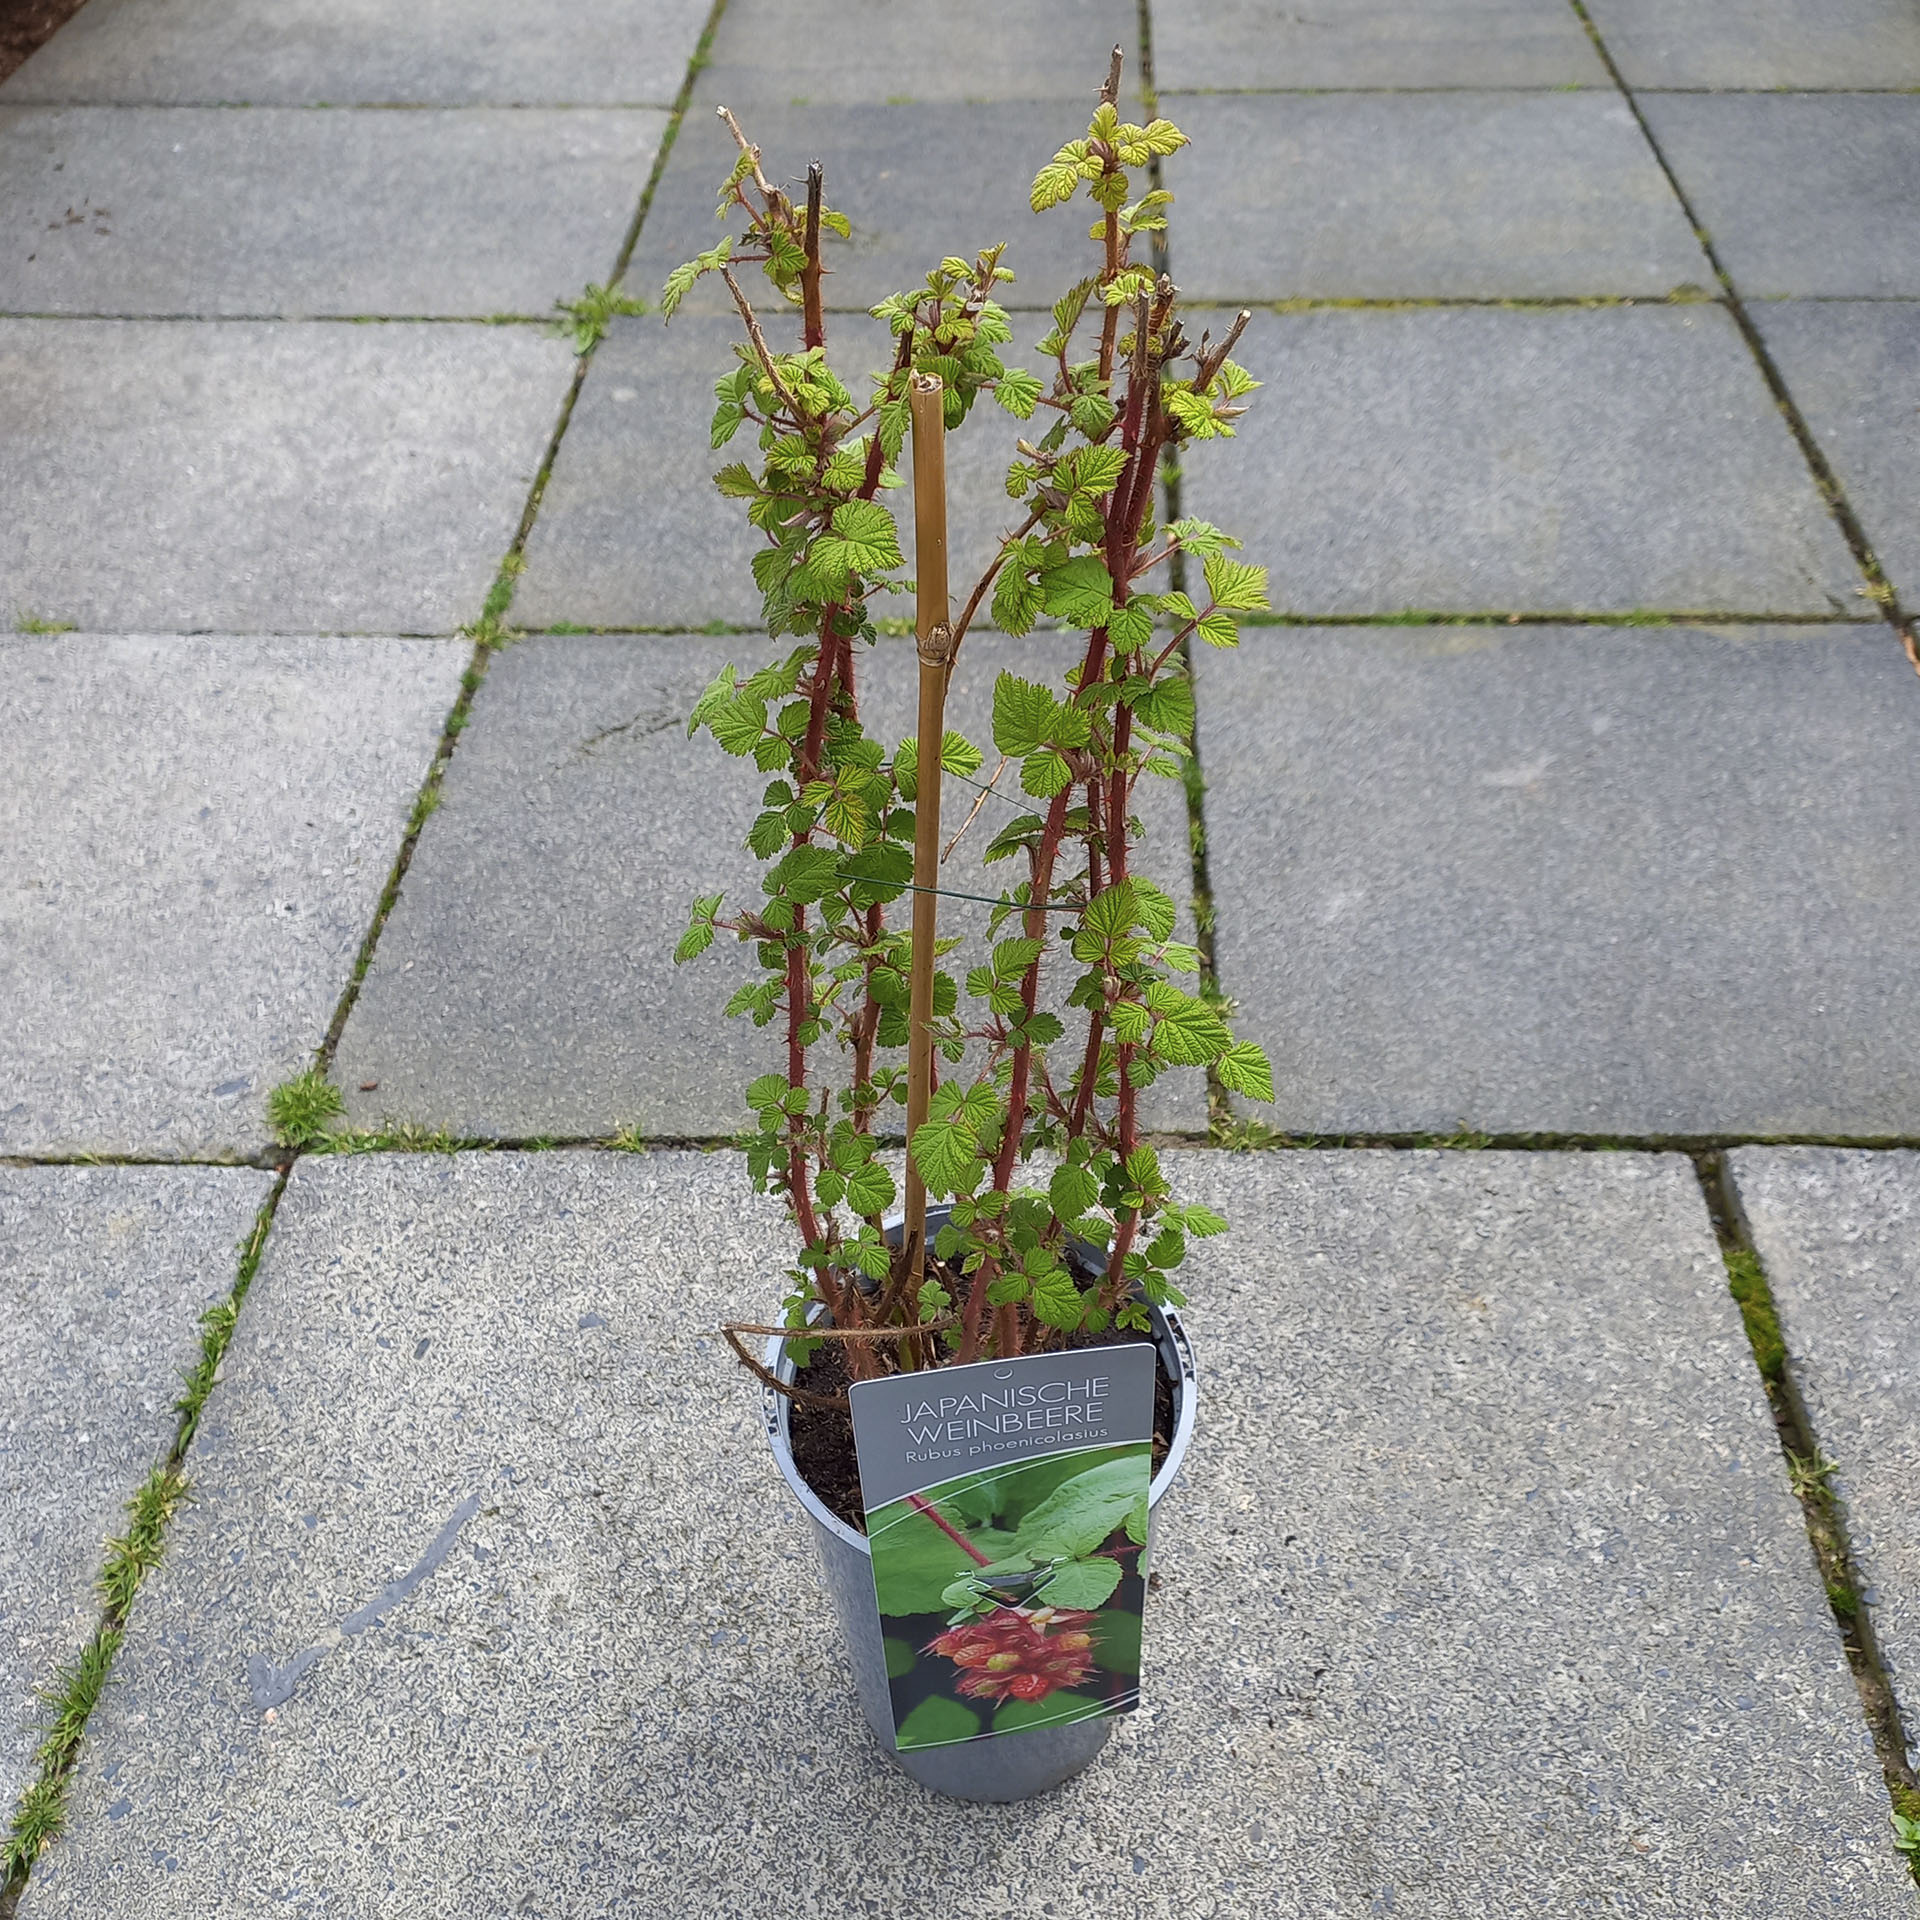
(1024, 1261)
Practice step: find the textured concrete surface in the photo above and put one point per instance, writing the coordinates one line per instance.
(1570, 880)
(631, 532)
(638, 455)
(767, 53)
(1441, 195)
(1762, 43)
(299, 53)
(285, 211)
(1849, 366)
(1801, 193)
(1468, 459)
(1839, 1235)
(194, 833)
(104, 1272)
(248, 477)
(1231, 44)
(525, 983)
(917, 182)
(1498, 1637)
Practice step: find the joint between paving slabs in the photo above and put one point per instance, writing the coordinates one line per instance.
(40, 1816)
(1879, 587)
(302, 1107)
(1810, 1474)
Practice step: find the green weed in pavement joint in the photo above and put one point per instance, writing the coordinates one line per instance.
(301, 1109)
(1906, 1827)
(40, 1816)
(1810, 1476)
(1748, 1285)
(132, 1555)
(399, 1136)
(33, 623)
(629, 1140)
(585, 320)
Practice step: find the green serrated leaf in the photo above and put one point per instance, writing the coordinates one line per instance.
(1233, 585)
(1244, 1068)
(1018, 392)
(1079, 592)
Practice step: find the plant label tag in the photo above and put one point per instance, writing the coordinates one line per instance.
(1007, 1515)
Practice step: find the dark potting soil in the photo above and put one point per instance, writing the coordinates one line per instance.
(822, 1437)
(26, 25)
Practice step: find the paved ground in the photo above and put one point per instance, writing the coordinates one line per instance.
(1570, 807)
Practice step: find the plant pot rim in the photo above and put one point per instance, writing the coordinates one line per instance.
(1176, 1359)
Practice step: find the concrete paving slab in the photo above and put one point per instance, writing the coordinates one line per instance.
(896, 51)
(1422, 196)
(638, 454)
(104, 1272)
(1762, 43)
(1849, 366)
(1569, 880)
(302, 53)
(1553, 460)
(1250, 44)
(1484, 1591)
(195, 834)
(1839, 1235)
(524, 986)
(248, 477)
(282, 211)
(1801, 193)
(917, 182)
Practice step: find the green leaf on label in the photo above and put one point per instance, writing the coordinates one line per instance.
(1056, 1710)
(1082, 1511)
(1082, 1583)
(937, 1722)
(1116, 1641)
(900, 1657)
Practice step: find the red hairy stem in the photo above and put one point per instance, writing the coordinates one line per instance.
(816, 326)
(971, 1314)
(1127, 1120)
(1110, 325)
(1006, 1332)
(797, 997)
(921, 1504)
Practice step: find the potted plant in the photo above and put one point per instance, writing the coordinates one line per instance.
(1058, 1226)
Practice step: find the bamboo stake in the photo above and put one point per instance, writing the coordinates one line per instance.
(933, 640)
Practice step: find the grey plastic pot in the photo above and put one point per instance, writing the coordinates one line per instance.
(1008, 1766)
